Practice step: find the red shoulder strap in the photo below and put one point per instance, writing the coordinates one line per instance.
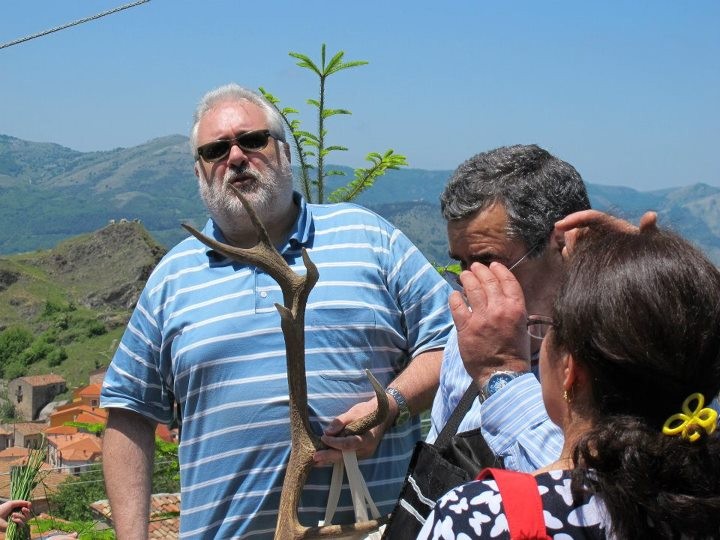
(521, 502)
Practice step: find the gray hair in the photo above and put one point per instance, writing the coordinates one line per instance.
(535, 188)
(234, 92)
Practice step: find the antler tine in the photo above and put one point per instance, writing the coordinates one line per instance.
(263, 237)
(263, 256)
(375, 418)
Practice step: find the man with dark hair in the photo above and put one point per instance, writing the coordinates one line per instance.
(501, 206)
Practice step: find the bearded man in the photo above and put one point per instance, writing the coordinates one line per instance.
(205, 334)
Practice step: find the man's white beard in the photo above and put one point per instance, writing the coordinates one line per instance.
(270, 196)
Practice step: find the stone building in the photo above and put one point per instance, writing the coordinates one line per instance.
(24, 434)
(30, 394)
(5, 438)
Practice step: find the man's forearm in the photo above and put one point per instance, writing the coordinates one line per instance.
(128, 453)
(419, 381)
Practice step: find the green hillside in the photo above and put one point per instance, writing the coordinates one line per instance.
(69, 305)
(80, 233)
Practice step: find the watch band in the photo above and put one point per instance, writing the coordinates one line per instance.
(496, 381)
(403, 409)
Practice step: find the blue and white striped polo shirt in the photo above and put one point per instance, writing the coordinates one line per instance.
(206, 331)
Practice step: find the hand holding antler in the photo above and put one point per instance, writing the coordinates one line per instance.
(342, 434)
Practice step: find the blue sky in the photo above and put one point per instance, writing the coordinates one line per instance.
(628, 92)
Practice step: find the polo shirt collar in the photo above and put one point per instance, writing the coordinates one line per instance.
(299, 233)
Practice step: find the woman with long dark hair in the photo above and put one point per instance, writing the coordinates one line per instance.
(629, 364)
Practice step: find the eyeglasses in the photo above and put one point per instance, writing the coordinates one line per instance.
(250, 141)
(457, 285)
(538, 326)
(521, 259)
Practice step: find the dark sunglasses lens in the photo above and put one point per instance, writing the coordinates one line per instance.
(214, 151)
(253, 140)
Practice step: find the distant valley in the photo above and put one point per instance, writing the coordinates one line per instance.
(75, 249)
(49, 193)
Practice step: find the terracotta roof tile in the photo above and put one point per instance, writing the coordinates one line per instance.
(65, 406)
(166, 434)
(26, 428)
(98, 416)
(164, 514)
(13, 452)
(91, 390)
(82, 450)
(61, 430)
(80, 412)
(42, 380)
(61, 440)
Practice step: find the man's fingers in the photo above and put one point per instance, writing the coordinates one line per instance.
(648, 221)
(335, 427)
(473, 288)
(459, 310)
(589, 218)
(364, 445)
(509, 286)
(485, 289)
(351, 442)
(584, 218)
(575, 224)
(571, 238)
(326, 457)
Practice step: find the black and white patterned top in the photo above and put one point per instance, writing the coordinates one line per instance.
(474, 510)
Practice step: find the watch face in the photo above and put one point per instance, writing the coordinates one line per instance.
(497, 381)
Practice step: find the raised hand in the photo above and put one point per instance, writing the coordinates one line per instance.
(491, 321)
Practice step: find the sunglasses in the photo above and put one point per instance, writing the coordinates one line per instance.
(250, 141)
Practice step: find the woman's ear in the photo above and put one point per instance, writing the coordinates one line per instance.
(571, 373)
(575, 376)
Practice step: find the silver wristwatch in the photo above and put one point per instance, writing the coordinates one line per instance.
(496, 381)
(403, 409)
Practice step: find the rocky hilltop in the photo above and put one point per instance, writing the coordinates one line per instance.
(103, 271)
(107, 268)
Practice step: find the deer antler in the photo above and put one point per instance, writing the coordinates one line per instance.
(304, 441)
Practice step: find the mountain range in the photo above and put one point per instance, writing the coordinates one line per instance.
(49, 193)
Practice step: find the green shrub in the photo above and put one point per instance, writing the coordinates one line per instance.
(53, 307)
(13, 341)
(73, 497)
(85, 529)
(7, 411)
(14, 369)
(36, 352)
(95, 328)
(50, 335)
(57, 356)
